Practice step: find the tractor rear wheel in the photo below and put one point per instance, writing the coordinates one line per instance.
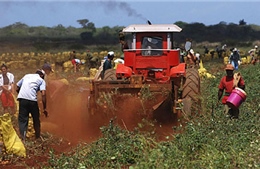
(110, 74)
(191, 92)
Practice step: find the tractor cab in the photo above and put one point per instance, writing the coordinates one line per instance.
(149, 49)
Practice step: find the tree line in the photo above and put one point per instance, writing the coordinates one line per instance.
(88, 34)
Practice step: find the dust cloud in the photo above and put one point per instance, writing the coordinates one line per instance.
(69, 117)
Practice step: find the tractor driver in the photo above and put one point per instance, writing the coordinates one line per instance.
(150, 44)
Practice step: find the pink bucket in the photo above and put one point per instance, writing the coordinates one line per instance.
(236, 98)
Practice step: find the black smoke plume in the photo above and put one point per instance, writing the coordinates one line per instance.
(115, 5)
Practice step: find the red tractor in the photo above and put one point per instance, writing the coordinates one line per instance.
(153, 65)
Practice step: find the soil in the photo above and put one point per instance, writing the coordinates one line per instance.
(69, 124)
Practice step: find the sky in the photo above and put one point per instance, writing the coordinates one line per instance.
(51, 13)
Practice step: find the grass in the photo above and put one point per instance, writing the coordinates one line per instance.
(209, 141)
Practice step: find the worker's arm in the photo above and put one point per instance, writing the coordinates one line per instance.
(75, 68)
(17, 89)
(220, 93)
(241, 84)
(44, 99)
(242, 87)
(13, 88)
(44, 103)
(5, 87)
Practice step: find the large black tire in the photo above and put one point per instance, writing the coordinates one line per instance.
(110, 74)
(191, 92)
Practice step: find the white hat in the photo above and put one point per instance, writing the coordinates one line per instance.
(111, 53)
(235, 49)
(197, 55)
(40, 72)
(256, 46)
(191, 51)
(43, 72)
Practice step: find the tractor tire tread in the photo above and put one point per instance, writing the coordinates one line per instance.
(110, 74)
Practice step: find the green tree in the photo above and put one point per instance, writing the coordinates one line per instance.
(19, 25)
(83, 22)
(59, 30)
(181, 24)
(91, 26)
(242, 22)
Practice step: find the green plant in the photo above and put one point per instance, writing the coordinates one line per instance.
(107, 100)
(207, 141)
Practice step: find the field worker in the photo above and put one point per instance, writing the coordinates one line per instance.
(206, 50)
(48, 71)
(228, 83)
(7, 89)
(212, 53)
(122, 41)
(108, 63)
(76, 64)
(182, 54)
(253, 53)
(27, 89)
(48, 80)
(54, 86)
(92, 60)
(47, 68)
(219, 52)
(235, 59)
(55, 91)
(197, 55)
(191, 58)
(224, 48)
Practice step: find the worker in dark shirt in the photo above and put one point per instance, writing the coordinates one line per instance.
(108, 63)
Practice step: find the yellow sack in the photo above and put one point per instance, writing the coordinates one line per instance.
(83, 79)
(93, 72)
(12, 142)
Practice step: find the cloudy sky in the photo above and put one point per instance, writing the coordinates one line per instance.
(111, 13)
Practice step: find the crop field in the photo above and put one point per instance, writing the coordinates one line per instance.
(71, 139)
